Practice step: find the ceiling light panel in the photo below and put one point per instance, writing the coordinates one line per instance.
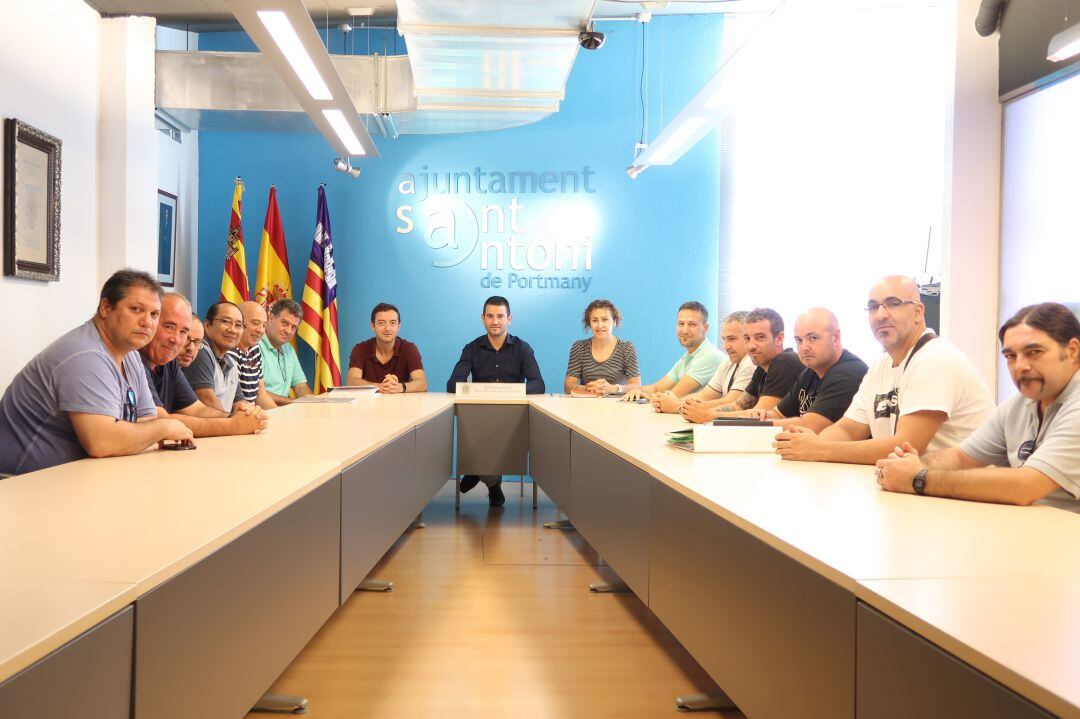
(286, 36)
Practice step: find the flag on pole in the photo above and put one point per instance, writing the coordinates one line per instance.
(319, 325)
(234, 281)
(272, 280)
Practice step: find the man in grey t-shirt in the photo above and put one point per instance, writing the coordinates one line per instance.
(214, 375)
(86, 394)
(1026, 451)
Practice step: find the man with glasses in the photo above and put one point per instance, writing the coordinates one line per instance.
(86, 394)
(922, 391)
(248, 356)
(281, 369)
(214, 375)
(172, 393)
(1027, 451)
(191, 348)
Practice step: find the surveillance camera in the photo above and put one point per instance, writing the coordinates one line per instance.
(591, 39)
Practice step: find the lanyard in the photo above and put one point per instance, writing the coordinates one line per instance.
(923, 341)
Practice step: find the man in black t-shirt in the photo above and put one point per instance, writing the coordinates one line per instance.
(777, 368)
(172, 393)
(822, 392)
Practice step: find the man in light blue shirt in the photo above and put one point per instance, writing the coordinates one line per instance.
(281, 368)
(695, 367)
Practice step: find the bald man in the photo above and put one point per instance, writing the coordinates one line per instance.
(922, 391)
(249, 357)
(823, 391)
(170, 389)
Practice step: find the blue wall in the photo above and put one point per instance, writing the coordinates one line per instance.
(654, 244)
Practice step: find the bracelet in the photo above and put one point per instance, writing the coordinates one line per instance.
(618, 389)
(404, 387)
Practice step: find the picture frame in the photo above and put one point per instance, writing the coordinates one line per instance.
(168, 204)
(32, 164)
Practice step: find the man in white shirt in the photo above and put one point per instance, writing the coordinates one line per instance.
(1026, 452)
(729, 380)
(923, 390)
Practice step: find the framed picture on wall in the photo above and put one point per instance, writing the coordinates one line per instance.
(166, 259)
(31, 202)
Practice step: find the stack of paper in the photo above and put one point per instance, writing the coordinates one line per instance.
(681, 439)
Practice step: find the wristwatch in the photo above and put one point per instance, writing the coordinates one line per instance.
(404, 387)
(918, 483)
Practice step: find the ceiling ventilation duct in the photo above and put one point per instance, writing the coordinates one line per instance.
(485, 65)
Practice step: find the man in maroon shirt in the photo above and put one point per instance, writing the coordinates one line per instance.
(386, 361)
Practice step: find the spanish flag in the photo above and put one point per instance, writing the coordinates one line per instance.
(234, 281)
(272, 280)
(319, 326)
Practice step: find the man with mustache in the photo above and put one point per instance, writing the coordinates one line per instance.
(86, 394)
(1027, 451)
(697, 365)
(776, 368)
(923, 390)
(173, 395)
(214, 375)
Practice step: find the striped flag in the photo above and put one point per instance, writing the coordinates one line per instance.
(272, 280)
(234, 281)
(320, 323)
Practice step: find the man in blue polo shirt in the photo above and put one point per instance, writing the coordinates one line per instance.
(496, 356)
(1026, 452)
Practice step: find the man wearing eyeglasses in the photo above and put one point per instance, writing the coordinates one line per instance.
(281, 369)
(172, 393)
(190, 350)
(214, 375)
(249, 358)
(86, 394)
(1027, 451)
(922, 391)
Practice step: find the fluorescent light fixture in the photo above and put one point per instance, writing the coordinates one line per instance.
(1064, 45)
(344, 131)
(676, 139)
(283, 33)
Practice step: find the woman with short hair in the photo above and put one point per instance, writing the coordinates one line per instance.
(603, 364)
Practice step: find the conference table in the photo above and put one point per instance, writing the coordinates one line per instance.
(170, 582)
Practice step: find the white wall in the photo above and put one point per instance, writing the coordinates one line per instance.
(1040, 213)
(972, 195)
(178, 173)
(52, 70)
(127, 167)
(49, 64)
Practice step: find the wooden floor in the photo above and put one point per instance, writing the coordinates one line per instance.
(491, 617)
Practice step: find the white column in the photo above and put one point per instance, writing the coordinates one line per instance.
(127, 170)
(969, 307)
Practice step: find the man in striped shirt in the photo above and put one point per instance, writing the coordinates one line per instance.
(248, 356)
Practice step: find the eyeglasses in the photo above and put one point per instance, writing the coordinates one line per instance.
(890, 304)
(235, 324)
(193, 341)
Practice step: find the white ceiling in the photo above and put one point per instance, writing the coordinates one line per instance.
(213, 14)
